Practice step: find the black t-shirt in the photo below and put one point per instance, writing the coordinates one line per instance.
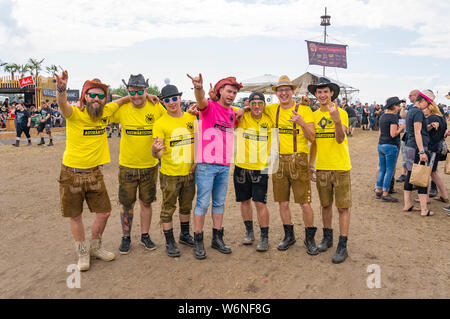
(385, 129)
(351, 112)
(436, 135)
(22, 117)
(416, 115)
(44, 113)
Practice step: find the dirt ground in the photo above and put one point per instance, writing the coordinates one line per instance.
(37, 247)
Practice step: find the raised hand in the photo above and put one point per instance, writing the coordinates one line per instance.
(334, 113)
(61, 81)
(158, 145)
(197, 81)
(212, 93)
(297, 118)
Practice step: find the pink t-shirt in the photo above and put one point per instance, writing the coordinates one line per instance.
(214, 142)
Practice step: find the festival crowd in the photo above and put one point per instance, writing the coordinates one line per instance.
(26, 117)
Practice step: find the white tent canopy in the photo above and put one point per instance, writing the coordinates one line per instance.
(261, 80)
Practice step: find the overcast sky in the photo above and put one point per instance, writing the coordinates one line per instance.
(394, 45)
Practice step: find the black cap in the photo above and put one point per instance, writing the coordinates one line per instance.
(169, 90)
(392, 101)
(256, 96)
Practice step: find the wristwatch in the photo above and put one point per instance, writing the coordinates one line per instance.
(422, 152)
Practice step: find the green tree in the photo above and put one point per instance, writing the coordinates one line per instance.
(12, 68)
(121, 90)
(24, 68)
(154, 90)
(51, 69)
(35, 65)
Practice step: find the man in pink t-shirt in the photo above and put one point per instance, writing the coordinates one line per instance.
(214, 153)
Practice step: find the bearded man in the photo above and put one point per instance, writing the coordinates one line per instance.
(81, 176)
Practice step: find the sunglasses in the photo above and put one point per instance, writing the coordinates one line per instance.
(133, 93)
(173, 99)
(93, 95)
(254, 103)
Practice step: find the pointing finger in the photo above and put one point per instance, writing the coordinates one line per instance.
(190, 76)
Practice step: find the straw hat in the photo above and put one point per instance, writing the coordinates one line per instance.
(283, 81)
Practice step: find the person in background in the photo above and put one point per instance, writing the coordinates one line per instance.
(416, 149)
(436, 127)
(352, 119)
(45, 121)
(23, 124)
(388, 146)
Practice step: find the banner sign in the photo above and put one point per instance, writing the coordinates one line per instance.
(72, 95)
(26, 81)
(327, 54)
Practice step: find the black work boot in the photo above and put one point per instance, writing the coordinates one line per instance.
(171, 247)
(341, 251)
(263, 244)
(327, 240)
(185, 237)
(41, 142)
(310, 243)
(249, 237)
(289, 237)
(217, 242)
(17, 143)
(199, 248)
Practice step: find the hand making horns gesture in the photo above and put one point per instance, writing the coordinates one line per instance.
(158, 145)
(61, 81)
(334, 113)
(197, 81)
(297, 118)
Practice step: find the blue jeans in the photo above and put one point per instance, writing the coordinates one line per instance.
(212, 181)
(388, 158)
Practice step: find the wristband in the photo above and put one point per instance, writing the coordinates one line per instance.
(61, 90)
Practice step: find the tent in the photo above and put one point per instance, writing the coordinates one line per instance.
(264, 84)
(308, 78)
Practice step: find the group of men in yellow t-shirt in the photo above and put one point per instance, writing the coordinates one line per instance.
(296, 127)
(170, 133)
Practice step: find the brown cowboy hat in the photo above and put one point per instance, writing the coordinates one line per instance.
(284, 81)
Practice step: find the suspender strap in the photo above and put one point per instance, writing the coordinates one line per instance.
(294, 132)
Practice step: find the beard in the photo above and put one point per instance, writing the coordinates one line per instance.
(94, 112)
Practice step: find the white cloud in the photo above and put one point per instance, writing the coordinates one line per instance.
(87, 26)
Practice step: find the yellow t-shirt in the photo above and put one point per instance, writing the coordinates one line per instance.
(285, 127)
(137, 134)
(86, 142)
(330, 156)
(253, 142)
(178, 135)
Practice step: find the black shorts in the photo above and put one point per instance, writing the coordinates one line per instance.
(43, 125)
(249, 184)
